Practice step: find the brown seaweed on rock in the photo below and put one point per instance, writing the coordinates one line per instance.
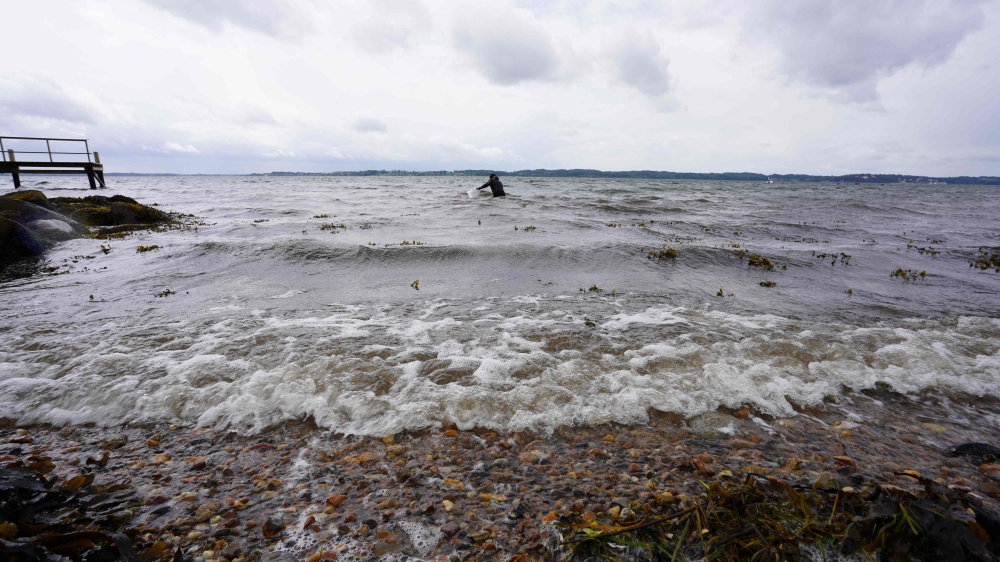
(767, 519)
(44, 518)
(116, 210)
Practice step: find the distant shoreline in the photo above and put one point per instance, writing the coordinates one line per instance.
(636, 174)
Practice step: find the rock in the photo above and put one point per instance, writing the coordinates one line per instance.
(17, 242)
(98, 210)
(25, 214)
(702, 463)
(450, 529)
(983, 450)
(32, 196)
(272, 527)
(336, 499)
(112, 441)
(280, 556)
(453, 484)
(991, 488)
(215, 459)
(934, 428)
(206, 511)
(714, 424)
(990, 469)
(381, 548)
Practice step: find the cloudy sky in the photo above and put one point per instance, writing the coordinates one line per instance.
(770, 86)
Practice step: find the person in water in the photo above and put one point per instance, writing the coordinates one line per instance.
(495, 186)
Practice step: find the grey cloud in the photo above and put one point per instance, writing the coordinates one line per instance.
(256, 115)
(288, 19)
(394, 24)
(370, 125)
(39, 97)
(640, 64)
(847, 45)
(506, 46)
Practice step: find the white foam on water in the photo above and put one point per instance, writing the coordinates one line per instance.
(53, 224)
(363, 370)
(287, 294)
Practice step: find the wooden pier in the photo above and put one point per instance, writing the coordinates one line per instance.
(17, 162)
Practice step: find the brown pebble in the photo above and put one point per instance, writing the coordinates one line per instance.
(990, 469)
(336, 499)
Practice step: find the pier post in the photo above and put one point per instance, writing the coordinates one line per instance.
(17, 176)
(90, 178)
(100, 173)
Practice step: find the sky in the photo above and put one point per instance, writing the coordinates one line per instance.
(770, 86)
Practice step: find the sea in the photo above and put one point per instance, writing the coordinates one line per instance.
(375, 305)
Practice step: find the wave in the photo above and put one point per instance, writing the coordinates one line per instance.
(527, 364)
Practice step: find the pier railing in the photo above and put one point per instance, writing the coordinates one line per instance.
(17, 161)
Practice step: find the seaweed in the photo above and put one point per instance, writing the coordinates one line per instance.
(760, 518)
(908, 274)
(43, 517)
(757, 260)
(987, 258)
(924, 250)
(845, 259)
(332, 227)
(767, 284)
(663, 254)
(144, 249)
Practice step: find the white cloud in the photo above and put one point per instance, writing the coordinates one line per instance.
(33, 96)
(507, 46)
(171, 146)
(393, 24)
(287, 19)
(640, 64)
(846, 46)
(370, 125)
(515, 84)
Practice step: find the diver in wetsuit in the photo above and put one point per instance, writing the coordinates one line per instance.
(495, 186)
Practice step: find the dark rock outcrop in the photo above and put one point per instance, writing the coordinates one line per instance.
(25, 213)
(32, 222)
(97, 210)
(31, 196)
(17, 242)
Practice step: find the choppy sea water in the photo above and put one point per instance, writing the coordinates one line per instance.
(275, 318)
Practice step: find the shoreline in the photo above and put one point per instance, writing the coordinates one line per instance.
(445, 494)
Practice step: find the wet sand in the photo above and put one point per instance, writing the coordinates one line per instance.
(472, 495)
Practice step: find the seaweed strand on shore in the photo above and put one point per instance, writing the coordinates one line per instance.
(767, 519)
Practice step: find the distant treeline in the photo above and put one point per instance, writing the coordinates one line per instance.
(652, 174)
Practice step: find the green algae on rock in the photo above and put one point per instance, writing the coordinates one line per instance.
(116, 210)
